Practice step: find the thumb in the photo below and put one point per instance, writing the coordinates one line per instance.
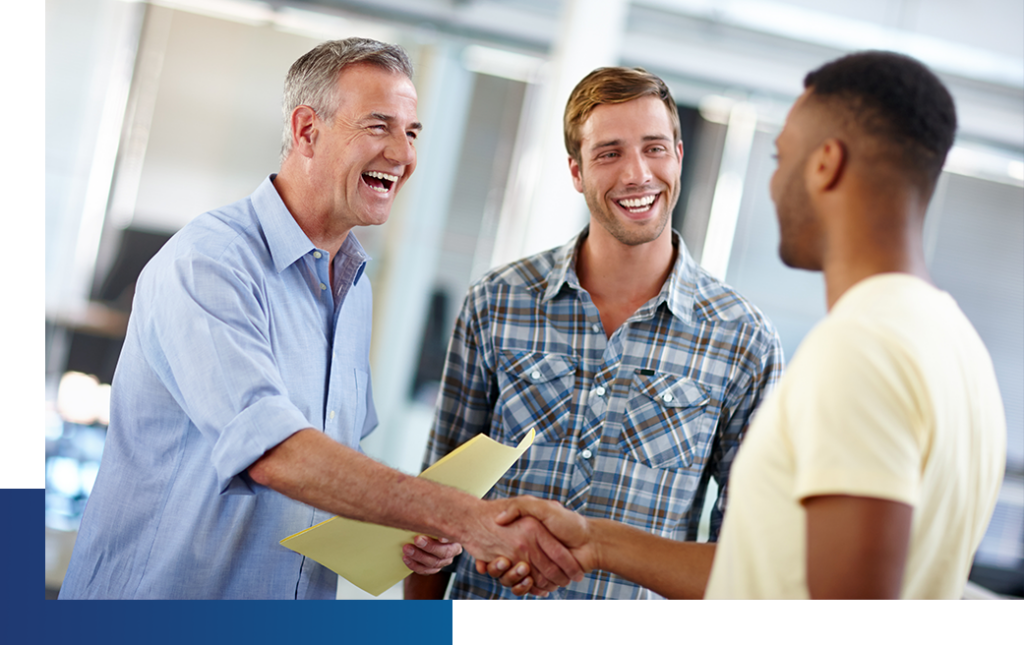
(509, 515)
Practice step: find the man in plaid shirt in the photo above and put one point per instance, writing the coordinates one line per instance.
(639, 371)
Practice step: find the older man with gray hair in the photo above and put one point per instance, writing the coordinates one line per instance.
(243, 388)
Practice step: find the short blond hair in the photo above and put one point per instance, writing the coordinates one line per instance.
(613, 85)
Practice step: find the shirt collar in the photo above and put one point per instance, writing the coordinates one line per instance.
(351, 259)
(678, 292)
(563, 270)
(287, 241)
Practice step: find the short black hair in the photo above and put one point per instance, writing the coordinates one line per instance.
(896, 99)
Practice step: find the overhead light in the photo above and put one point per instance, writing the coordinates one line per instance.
(985, 163)
(502, 63)
(716, 108)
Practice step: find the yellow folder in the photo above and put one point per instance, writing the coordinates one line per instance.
(369, 555)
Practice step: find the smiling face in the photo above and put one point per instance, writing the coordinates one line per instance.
(629, 169)
(365, 154)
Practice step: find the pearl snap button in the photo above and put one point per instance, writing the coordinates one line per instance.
(586, 454)
(666, 397)
(599, 390)
(535, 375)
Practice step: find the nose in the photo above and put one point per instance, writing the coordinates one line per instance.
(636, 170)
(400, 149)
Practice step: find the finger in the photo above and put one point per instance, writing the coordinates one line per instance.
(515, 575)
(507, 516)
(442, 549)
(497, 567)
(517, 507)
(524, 586)
(545, 569)
(422, 558)
(481, 567)
(540, 583)
(560, 556)
(419, 568)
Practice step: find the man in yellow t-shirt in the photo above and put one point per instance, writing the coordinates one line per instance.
(873, 469)
(891, 403)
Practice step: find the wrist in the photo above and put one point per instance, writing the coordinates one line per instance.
(466, 521)
(601, 538)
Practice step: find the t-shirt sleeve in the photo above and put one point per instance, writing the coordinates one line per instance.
(855, 416)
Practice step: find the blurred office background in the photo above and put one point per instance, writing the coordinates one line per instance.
(158, 111)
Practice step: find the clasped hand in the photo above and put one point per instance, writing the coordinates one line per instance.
(569, 530)
(511, 530)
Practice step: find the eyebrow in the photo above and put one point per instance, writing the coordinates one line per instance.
(618, 142)
(416, 125)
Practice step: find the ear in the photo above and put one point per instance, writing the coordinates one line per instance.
(304, 130)
(679, 151)
(826, 165)
(577, 175)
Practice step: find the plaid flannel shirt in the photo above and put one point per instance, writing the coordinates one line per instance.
(629, 427)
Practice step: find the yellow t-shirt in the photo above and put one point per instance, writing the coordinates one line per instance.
(892, 396)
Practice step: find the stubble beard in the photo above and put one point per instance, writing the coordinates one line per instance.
(796, 227)
(636, 235)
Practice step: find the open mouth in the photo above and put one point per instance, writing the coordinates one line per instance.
(637, 205)
(379, 181)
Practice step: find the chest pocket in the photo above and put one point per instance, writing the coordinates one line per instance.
(668, 421)
(536, 392)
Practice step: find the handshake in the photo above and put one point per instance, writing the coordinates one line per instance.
(548, 545)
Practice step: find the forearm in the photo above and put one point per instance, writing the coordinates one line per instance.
(315, 469)
(670, 568)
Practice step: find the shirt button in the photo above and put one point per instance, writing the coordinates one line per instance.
(596, 327)
(535, 375)
(323, 287)
(599, 390)
(586, 454)
(666, 397)
(317, 254)
(331, 415)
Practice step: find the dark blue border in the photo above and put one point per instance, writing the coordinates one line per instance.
(30, 618)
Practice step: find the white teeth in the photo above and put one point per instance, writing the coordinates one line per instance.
(640, 203)
(383, 176)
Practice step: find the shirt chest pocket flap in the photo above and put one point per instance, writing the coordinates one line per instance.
(668, 420)
(536, 392)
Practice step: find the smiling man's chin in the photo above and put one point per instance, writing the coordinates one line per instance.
(633, 230)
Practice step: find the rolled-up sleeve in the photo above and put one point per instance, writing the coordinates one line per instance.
(207, 339)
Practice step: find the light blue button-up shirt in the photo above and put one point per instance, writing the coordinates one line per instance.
(236, 341)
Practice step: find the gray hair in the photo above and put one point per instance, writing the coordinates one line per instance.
(312, 79)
